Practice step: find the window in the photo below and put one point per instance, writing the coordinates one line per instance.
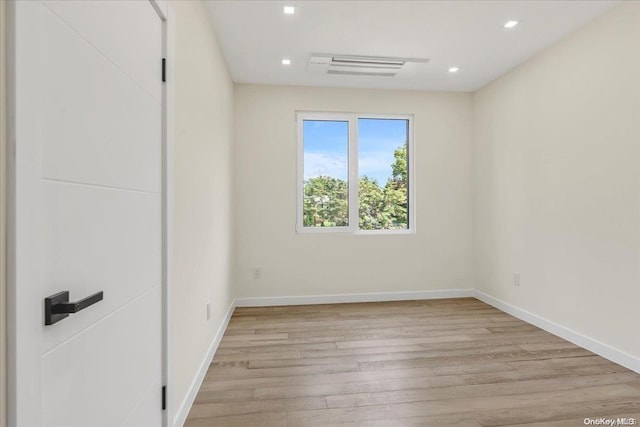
(354, 173)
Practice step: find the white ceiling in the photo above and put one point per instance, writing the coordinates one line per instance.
(256, 35)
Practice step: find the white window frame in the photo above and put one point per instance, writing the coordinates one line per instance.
(353, 173)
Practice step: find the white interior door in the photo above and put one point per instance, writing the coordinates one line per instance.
(86, 212)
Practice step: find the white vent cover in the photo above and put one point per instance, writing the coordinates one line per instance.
(358, 65)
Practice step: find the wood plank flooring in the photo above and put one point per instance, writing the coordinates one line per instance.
(451, 362)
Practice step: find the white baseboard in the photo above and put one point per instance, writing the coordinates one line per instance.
(182, 413)
(347, 298)
(604, 350)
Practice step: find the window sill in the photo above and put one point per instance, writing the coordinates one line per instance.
(346, 230)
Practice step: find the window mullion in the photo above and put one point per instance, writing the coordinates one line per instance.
(353, 175)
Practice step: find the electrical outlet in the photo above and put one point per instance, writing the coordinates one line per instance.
(208, 310)
(516, 279)
(257, 273)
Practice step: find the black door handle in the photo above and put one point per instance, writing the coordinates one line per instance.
(58, 306)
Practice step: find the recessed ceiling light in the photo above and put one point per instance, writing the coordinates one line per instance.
(454, 69)
(289, 10)
(510, 24)
(286, 61)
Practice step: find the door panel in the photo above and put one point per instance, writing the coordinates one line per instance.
(115, 362)
(146, 414)
(95, 112)
(86, 192)
(111, 27)
(121, 229)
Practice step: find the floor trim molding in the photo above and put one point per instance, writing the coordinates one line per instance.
(347, 298)
(601, 349)
(182, 413)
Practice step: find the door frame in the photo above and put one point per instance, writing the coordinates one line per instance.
(7, 285)
(3, 216)
(168, 48)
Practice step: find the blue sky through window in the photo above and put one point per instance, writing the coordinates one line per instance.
(326, 147)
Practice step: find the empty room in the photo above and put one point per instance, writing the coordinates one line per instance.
(319, 213)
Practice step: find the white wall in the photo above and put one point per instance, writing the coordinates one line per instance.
(202, 192)
(557, 182)
(438, 256)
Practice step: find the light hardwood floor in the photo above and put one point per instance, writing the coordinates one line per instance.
(453, 362)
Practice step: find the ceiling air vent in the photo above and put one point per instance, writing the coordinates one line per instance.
(358, 65)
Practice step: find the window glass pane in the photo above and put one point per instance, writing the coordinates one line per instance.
(326, 171)
(383, 169)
